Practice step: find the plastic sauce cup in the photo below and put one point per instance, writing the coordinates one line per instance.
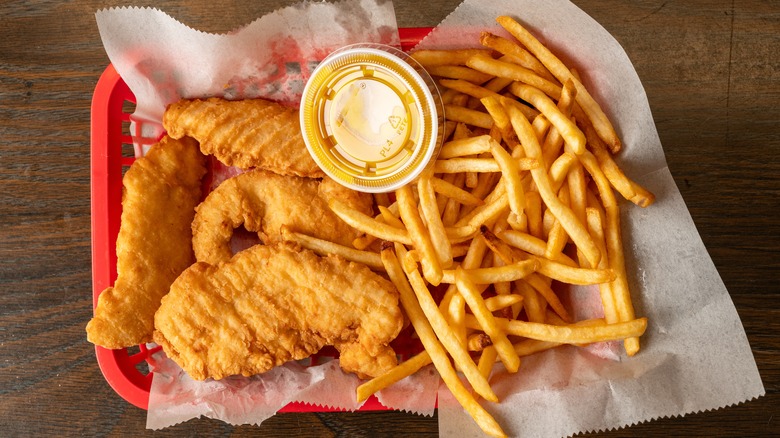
(371, 117)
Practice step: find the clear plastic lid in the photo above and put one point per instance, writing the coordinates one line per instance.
(371, 117)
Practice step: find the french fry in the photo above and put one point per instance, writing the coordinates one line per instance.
(497, 84)
(457, 165)
(452, 191)
(495, 67)
(486, 360)
(459, 72)
(390, 218)
(562, 73)
(568, 334)
(397, 373)
(431, 58)
(572, 275)
(430, 212)
(478, 342)
(532, 302)
(614, 240)
(528, 347)
(368, 224)
(533, 210)
(531, 245)
(595, 226)
(499, 302)
(487, 322)
(468, 88)
(468, 116)
(627, 188)
(568, 129)
(554, 140)
(511, 173)
(419, 235)
(456, 314)
(325, 247)
(382, 199)
(543, 288)
(465, 146)
(492, 275)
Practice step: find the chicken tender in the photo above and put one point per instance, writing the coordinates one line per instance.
(272, 304)
(244, 133)
(154, 245)
(263, 201)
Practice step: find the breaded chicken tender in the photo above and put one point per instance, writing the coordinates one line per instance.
(244, 133)
(154, 245)
(272, 304)
(262, 202)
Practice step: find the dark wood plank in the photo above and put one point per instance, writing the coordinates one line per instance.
(711, 69)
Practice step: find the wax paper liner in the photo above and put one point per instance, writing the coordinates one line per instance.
(693, 324)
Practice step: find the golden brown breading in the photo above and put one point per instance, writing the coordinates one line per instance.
(263, 201)
(244, 133)
(272, 304)
(159, 197)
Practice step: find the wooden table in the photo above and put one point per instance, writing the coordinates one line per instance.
(711, 69)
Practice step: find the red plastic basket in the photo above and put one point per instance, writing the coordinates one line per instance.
(108, 139)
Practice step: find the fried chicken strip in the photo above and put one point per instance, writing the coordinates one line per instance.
(154, 245)
(272, 304)
(263, 201)
(244, 133)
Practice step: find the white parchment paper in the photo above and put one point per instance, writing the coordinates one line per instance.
(695, 355)
(693, 324)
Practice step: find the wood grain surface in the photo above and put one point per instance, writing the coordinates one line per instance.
(711, 69)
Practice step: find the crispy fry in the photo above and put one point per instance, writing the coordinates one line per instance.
(456, 314)
(511, 173)
(419, 235)
(325, 247)
(397, 373)
(478, 342)
(454, 192)
(512, 272)
(625, 186)
(568, 129)
(459, 72)
(431, 58)
(499, 302)
(486, 319)
(503, 69)
(543, 288)
(595, 226)
(430, 212)
(468, 88)
(568, 334)
(368, 224)
(457, 165)
(614, 240)
(465, 146)
(468, 116)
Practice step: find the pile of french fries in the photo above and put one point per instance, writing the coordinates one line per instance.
(521, 196)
